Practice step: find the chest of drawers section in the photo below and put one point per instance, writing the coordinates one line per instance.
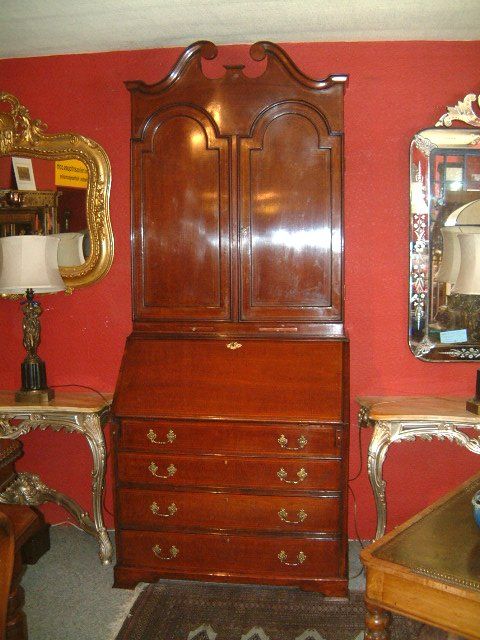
(230, 500)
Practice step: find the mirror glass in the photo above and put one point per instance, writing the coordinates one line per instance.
(444, 314)
(57, 206)
(55, 184)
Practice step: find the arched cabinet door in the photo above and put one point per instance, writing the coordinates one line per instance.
(290, 217)
(181, 218)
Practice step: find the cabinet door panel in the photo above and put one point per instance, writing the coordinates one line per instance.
(181, 186)
(290, 217)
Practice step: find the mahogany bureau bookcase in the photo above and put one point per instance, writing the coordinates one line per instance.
(231, 437)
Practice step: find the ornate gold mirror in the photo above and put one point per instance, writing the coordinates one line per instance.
(62, 186)
(444, 314)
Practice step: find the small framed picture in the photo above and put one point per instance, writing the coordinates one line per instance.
(23, 170)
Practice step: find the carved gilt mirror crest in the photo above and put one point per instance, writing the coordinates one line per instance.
(444, 313)
(78, 211)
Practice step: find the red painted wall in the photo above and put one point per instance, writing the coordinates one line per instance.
(395, 89)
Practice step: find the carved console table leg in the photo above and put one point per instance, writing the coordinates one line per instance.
(29, 490)
(92, 430)
(377, 623)
(376, 457)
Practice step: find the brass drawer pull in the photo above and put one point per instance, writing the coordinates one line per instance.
(301, 474)
(173, 552)
(302, 443)
(171, 470)
(152, 436)
(301, 557)
(234, 345)
(155, 509)
(301, 515)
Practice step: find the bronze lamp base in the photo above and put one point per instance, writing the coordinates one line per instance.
(34, 396)
(473, 406)
(34, 376)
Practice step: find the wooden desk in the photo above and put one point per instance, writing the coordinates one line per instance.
(84, 413)
(402, 418)
(428, 569)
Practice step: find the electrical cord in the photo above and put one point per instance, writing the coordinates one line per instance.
(350, 480)
(81, 386)
(356, 531)
(360, 453)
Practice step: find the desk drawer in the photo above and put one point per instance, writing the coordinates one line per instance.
(277, 474)
(214, 553)
(148, 509)
(171, 436)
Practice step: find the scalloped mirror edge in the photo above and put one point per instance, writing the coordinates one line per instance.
(23, 136)
(423, 204)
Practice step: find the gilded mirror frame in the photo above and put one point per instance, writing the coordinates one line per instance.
(431, 339)
(20, 135)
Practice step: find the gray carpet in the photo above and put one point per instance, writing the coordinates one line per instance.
(69, 594)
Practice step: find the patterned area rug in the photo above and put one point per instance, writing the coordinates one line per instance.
(180, 610)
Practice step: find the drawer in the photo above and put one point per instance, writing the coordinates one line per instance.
(276, 474)
(161, 436)
(147, 509)
(264, 556)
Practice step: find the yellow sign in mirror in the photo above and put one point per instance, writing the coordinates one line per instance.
(71, 173)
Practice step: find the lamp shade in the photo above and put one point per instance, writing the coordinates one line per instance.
(70, 249)
(468, 279)
(29, 262)
(450, 263)
(467, 214)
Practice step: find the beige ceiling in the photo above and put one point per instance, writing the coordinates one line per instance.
(46, 27)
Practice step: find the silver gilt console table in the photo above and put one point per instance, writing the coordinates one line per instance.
(404, 418)
(84, 413)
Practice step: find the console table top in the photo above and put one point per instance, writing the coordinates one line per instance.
(388, 408)
(63, 401)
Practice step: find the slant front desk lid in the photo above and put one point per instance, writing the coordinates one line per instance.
(292, 380)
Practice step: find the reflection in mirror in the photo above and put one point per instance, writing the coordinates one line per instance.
(57, 206)
(67, 194)
(444, 319)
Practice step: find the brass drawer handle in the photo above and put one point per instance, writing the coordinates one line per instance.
(301, 440)
(234, 345)
(301, 515)
(301, 557)
(155, 509)
(157, 550)
(152, 436)
(301, 475)
(171, 470)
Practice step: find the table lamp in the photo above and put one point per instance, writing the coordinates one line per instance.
(29, 265)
